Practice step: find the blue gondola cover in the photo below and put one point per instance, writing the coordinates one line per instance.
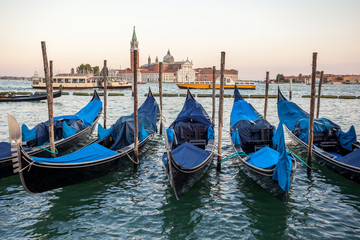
(79, 121)
(5, 150)
(265, 158)
(352, 159)
(187, 151)
(67, 130)
(297, 120)
(89, 153)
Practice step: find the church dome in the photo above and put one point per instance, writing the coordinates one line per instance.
(168, 58)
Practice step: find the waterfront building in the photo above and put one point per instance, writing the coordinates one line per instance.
(206, 74)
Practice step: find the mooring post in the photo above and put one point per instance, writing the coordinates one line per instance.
(312, 111)
(221, 108)
(136, 132)
(160, 96)
(319, 94)
(290, 93)
(266, 94)
(49, 94)
(105, 90)
(213, 95)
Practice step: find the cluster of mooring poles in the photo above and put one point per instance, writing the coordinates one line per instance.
(49, 92)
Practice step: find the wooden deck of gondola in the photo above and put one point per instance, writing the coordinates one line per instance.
(327, 160)
(40, 177)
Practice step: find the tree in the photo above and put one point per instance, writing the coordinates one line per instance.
(96, 70)
(280, 78)
(84, 69)
(339, 78)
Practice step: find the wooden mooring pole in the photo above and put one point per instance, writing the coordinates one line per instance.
(105, 91)
(312, 111)
(136, 131)
(213, 95)
(266, 94)
(49, 93)
(319, 94)
(290, 93)
(221, 108)
(160, 96)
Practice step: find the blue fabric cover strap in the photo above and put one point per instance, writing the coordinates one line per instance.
(211, 134)
(189, 156)
(90, 153)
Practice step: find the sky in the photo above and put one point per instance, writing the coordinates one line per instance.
(278, 36)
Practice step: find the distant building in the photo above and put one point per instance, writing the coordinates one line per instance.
(206, 74)
(180, 71)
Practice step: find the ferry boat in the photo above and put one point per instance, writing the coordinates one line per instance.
(229, 84)
(80, 81)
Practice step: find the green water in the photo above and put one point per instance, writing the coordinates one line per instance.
(140, 205)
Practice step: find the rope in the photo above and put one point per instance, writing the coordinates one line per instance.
(296, 156)
(28, 166)
(235, 154)
(131, 158)
(56, 151)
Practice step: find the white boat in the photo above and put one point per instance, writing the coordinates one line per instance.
(80, 81)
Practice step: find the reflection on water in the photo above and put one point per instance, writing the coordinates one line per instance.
(127, 204)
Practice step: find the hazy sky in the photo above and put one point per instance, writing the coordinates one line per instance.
(257, 35)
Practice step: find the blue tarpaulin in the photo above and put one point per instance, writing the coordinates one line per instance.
(89, 153)
(5, 150)
(189, 156)
(192, 111)
(241, 109)
(103, 132)
(352, 159)
(265, 158)
(297, 120)
(67, 130)
(123, 130)
(282, 170)
(85, 117)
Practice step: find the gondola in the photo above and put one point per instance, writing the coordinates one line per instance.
(337, 150)
(189, 146)
(71, 132)
(30, 97)
(113, 149)
(261, 149)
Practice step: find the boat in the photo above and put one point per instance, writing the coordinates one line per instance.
(228, 84)
(80, 81)
(114, 148)
(9, 97)
(189, 146)
(71, 132)
(337, 150)
(261, 149)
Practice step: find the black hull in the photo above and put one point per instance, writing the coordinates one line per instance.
(39, 177)
(182, 182)
(29, 98)
(326, 160)
(263, 177)
(64, 146)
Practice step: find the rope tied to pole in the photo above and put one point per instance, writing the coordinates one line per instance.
(297, 157)
(233, 155)
(41, 147)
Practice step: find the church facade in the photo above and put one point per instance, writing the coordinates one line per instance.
(172, 71)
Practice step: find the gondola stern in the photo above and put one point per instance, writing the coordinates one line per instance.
(189, 95)
(237, 95)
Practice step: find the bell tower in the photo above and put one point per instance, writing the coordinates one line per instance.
(134, 46)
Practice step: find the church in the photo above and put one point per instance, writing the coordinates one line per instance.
(172, 71)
